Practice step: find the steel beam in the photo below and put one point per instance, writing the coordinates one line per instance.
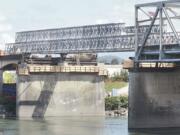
(161, 33)
(155, 4)
(146, 36)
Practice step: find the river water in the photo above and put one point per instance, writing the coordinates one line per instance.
(75, 126)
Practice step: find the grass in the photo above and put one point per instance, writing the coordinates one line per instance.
(109, 85)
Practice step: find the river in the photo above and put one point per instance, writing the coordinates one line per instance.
(75, 126)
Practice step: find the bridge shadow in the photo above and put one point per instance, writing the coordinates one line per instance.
(44, 98)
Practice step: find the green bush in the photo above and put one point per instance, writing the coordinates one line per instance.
(114, 103)
(9, 77)
(122, 76)
(109, 85)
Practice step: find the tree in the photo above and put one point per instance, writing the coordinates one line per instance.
(122, 76)
(9, 77)
(114, 61)
(114, 103)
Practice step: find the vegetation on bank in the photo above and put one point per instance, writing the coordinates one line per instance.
(122, 76)
(109, 85)
(117, 81)
(9, 77)
(114, 103)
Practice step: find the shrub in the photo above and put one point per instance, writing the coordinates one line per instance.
(122, 76)
(109, 85)
(114, 103)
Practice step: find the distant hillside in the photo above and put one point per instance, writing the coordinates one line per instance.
(110, 59)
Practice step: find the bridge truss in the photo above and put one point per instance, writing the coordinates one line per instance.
(84, 39)
(154, 37)
(157, 13)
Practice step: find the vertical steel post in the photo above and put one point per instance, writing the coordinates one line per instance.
(147, 35)
(136, 32)
(161, 31)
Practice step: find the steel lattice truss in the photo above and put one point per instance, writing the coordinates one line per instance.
(92, 31)
(86, 39)
(168, 43)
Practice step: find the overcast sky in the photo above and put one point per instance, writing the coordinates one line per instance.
(18, 15)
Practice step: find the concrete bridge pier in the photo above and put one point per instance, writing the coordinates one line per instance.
(154, 98)
(46, 94)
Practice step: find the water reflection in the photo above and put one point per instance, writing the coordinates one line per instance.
(76, 126)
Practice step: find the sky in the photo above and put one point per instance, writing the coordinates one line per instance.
(20, 15)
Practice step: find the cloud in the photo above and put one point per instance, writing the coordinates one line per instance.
(119, 12)
(2, 18)
(5, 38)
(4, 27)
(4, 24)
(102, 21)
(6, 30)
(113, 16)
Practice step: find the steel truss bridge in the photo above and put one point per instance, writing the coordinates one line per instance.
(149, 38)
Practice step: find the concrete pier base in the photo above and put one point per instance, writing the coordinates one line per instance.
(60, 94)
(154, 99)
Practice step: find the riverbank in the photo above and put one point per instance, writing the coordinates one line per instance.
(114, 113)
(116, 106)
